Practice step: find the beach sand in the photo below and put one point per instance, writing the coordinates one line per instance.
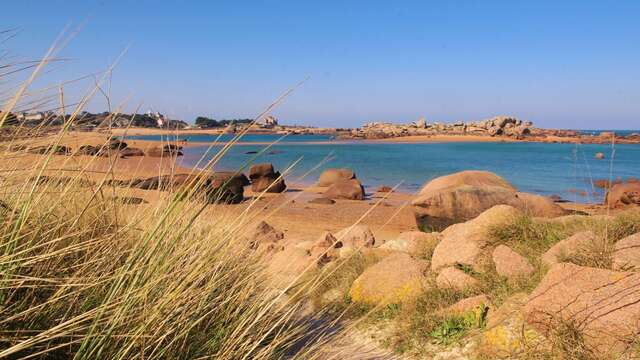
(296, 217)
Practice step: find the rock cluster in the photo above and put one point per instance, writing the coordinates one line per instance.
(467, 259)
(621, 195)
(219, 187)
(167, 150)
(113, 147)
(265, 179)
(500, 125)
(341, 184)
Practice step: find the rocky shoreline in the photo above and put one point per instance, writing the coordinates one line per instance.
(499, 127)
(469, 248)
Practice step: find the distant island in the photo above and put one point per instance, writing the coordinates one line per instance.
(498, 128)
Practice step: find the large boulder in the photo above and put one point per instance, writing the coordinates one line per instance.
(626, 253)
(331, 176)
(265, 179)
(345, 189)
(510, 264)
(469, 177)
(465, 243)
(625, 194)
(259, 170)
(395, 279)
(462, 196)
(568, 247)
(602, 305)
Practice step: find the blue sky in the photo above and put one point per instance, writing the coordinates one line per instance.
(570, 64)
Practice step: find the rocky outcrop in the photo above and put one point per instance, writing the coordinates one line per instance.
(395, 279)
(621, 195)
(331, 176)
(464, 195)
(465, 243)
(219, 187)
(167, 150)
(497, 126)
(265, 179)
(602, 305)
(345, 189)
(626, 253)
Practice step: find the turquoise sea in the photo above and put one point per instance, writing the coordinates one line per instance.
(561, 169)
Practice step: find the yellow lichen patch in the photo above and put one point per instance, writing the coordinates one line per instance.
(396, 279)
(386, 294)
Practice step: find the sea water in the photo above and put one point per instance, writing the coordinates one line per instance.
(567, 170)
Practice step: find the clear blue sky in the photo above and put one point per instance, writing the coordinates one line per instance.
(572, 64)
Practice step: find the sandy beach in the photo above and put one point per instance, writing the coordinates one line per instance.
(303, 221)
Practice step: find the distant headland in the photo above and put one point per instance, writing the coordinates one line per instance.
(495, 129)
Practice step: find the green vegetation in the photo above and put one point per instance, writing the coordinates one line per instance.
(205, 122)
(455, 327)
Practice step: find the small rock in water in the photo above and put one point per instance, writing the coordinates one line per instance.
(384, 189)
(251, 152)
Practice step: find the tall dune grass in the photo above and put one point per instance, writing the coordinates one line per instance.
(85, 275)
